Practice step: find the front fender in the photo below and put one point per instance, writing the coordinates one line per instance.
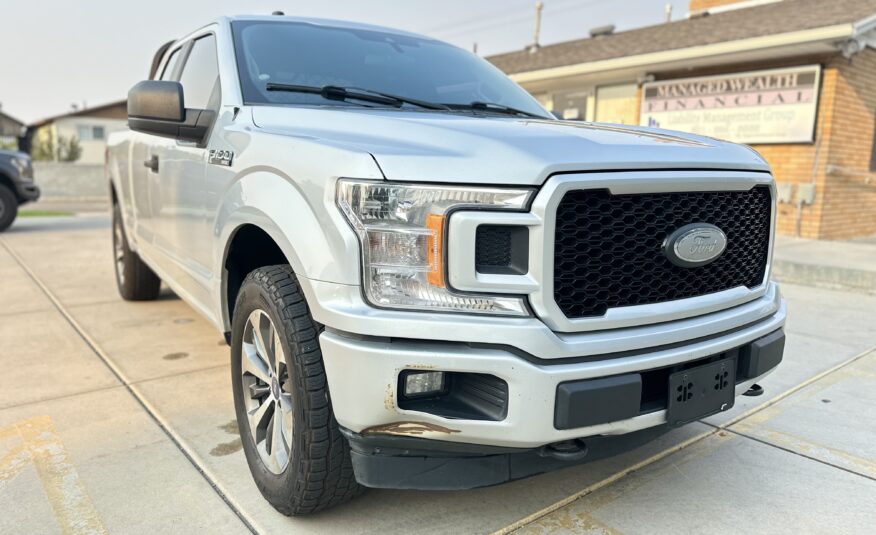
(301, 219)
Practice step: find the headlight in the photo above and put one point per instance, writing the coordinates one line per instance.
(401, 229)
(23, 166)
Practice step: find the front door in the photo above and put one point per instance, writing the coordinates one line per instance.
(180, 227)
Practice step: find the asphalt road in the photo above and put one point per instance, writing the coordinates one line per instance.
(117, 417)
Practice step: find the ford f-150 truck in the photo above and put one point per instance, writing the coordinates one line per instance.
(426, 280)
(16, 185)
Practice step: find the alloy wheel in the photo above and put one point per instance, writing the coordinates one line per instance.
(119, 250)
(267, 391)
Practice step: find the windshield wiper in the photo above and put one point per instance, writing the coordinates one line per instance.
(333, 92)
(494, 107)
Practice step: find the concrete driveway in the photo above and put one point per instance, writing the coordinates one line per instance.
(117, 417)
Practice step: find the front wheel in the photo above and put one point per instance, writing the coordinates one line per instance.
(8, 207)
(295, 451)
(136, 281)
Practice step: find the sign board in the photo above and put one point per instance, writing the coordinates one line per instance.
(772, 106)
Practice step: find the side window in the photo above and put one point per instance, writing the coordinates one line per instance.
(170, 66)
(200, 74)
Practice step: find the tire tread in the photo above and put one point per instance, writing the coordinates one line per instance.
(325, 473)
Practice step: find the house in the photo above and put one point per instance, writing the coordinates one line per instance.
(90, 126)
(795, 79)
(10, 130)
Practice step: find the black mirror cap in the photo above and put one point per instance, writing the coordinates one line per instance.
(157, 100)
(157, 107)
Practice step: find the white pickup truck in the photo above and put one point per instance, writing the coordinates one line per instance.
(426, 280)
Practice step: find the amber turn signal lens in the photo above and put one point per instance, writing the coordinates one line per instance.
(435, 241)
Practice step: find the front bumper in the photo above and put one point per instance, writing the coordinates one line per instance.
(27, 192)
(363, 379)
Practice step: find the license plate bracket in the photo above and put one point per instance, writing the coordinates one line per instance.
(701, 391)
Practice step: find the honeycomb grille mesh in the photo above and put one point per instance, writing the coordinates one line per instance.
(608, 249)
(493, 247)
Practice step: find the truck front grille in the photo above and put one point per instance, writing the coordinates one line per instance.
(608, 249)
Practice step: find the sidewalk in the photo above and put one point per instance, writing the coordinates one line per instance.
(845, 265)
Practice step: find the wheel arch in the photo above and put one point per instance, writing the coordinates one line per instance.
(301, 220)
(249, 248)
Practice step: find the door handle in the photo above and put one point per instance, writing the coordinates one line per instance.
(152, 163)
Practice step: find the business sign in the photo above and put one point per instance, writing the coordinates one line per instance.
(774, 106)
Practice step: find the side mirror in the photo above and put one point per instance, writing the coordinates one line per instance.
(158, 107)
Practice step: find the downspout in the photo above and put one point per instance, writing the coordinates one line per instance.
(813, 181)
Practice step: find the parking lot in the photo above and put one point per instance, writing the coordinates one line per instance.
(117, 417)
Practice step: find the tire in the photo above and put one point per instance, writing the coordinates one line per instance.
(8, 207)
(136, 281)
(317, 472)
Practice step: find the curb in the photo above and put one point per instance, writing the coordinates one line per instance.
(822, 276)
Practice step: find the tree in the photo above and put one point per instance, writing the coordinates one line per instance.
(43, 148)
(69, 150)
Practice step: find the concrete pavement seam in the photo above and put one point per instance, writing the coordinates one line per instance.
(600, 484)
(177, 440)
(723, 427)
(794, 389)
(797, 453)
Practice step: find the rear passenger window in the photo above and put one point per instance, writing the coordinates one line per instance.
(170, 65)
(200, 74)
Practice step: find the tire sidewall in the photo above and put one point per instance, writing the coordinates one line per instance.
(10, 207)
(254, 296)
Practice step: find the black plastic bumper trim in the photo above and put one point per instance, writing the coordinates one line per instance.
(397, 462)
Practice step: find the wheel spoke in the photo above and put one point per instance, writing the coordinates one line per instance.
(287, 418)
(279, 453)
(279, 355)
(258, 416)
(258, 338)
(253, 364)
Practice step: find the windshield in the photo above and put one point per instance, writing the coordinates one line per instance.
(296, 53)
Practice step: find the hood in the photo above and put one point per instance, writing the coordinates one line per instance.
(17, 154)
(456, 147)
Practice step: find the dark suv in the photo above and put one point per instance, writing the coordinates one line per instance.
(16, 185)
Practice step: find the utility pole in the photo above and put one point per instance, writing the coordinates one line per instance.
(539, 5)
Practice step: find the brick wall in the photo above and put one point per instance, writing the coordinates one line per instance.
(804, 163)
(849, 187)
(698, 5)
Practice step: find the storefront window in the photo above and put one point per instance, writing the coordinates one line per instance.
(574, 106)
(617, 104)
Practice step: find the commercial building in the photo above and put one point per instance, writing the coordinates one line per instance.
(795, 79)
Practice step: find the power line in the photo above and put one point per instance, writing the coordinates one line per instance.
(550, 9)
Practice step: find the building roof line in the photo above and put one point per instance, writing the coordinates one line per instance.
(11, 118)
(827, 33)
(76, 113)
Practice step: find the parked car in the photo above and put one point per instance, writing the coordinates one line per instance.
(426, 280)
(16, 185)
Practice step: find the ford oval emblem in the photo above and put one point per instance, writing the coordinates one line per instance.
(695, 245)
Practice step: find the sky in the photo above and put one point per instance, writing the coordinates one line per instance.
(58, 53)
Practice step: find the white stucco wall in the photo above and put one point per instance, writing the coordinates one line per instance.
(92, 150)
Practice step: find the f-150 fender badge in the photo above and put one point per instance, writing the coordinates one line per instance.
(220, 157)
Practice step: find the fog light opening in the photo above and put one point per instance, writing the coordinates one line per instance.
(421, 384)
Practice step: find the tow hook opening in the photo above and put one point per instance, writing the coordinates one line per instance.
(567, 450)
(754, 391)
